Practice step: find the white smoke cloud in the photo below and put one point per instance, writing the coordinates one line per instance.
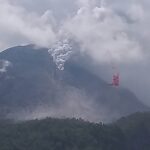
(17, 26)
(96, 26)
(101, 31)
(61, 52)
(4, 64)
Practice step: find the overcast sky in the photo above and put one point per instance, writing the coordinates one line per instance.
(108, 31)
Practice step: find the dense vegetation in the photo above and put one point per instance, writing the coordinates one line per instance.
(131, 133)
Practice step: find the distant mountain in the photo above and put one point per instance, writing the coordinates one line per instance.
(129, 133)
(31, 86)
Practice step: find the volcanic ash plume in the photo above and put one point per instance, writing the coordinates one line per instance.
(61, 52)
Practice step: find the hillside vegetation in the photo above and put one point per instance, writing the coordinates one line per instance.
(130, 133)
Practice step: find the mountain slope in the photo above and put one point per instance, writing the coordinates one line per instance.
(33, 87)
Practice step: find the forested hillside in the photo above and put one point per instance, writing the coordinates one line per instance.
(130, 133)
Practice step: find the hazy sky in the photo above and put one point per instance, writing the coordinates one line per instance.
(108, 31)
